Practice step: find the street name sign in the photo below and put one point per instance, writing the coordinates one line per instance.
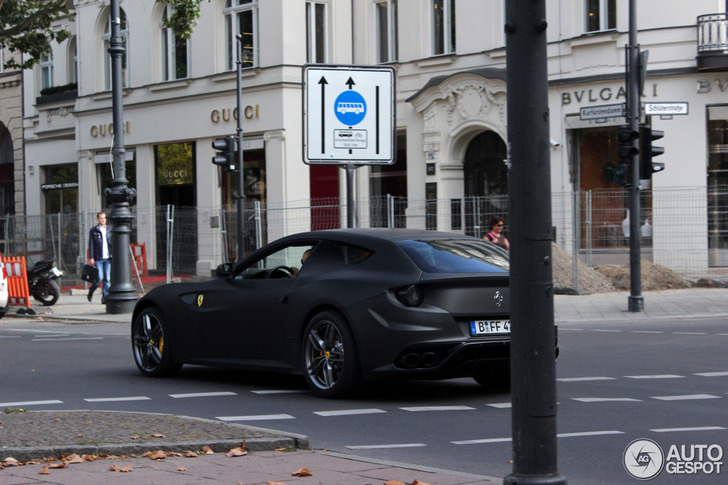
(663, 109)
(348, 114)
(601, 112)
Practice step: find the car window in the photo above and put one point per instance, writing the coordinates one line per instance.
(456, 256)
(289, 257)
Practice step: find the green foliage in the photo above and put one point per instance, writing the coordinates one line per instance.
(59, 89)
(184, 18)
(25, 26)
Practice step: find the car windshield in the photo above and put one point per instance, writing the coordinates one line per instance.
(456, 256)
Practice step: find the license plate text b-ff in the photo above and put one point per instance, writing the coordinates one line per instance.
(490, 327)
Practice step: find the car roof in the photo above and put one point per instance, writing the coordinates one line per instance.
(374, 235)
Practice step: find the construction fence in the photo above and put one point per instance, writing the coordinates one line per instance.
(684, 229)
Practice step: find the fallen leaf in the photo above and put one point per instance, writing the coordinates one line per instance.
(44, 471)
(181, 469)
(57, 465)
(236, 452)
(74, 458)
(57, 420)
(157, 435)
(207, 450)
(79, 435)
(156, 455)
(394, 482)
(89, 457)
(190, 454)
(417, 482)
(9, 461)
(275, 483)
(135, 437)
(302, 472)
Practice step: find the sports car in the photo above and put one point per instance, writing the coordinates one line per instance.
(340, 306)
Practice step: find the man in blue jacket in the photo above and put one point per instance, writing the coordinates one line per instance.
(99, 255)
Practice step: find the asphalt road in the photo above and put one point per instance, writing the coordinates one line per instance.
(617, 382)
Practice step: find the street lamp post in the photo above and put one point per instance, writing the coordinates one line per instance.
(122, 295)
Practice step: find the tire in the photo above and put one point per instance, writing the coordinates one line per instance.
(46, 291)
(496, 376)
(330, 361)
(4, 311)
(152, 353)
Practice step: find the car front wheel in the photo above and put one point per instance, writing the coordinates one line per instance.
(152, 353)
(330, 363)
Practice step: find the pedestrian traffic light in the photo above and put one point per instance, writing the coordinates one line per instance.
(225, 156)
(648, 152)
(620, 174)
(627, 149)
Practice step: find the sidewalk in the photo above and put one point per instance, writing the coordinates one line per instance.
(272, 456)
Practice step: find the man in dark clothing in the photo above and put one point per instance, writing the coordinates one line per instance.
(99, 255)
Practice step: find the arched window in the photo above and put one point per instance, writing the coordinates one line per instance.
(72, 60)
(241, 17)
(175, 60)
(124, 32)
(46, 70)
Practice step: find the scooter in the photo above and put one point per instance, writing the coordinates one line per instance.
(42, 282)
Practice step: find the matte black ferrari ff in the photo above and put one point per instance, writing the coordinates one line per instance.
(339, 306)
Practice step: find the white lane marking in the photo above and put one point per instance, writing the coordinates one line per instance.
(500, 405)
(10, 336)
(415, 409)
(29, 403)
(56, 339)
(712, 374)
(689, 333)
(605, 399)
(588, 433)
(656, 376)
(202, 394)
(118, 399)
(585, 379)
(348, 412)
(687, 397)
(680, 430)
(647, 331)
(259, 417)
(561, 435)
(604, 330)
(377, 447)
(279, 391)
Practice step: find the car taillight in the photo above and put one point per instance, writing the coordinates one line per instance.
(410, 295)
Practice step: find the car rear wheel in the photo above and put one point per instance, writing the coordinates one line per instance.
(152, 353)
(495, 376)
(330, 363)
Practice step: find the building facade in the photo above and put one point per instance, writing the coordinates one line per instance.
(11, 138)
(451, 126)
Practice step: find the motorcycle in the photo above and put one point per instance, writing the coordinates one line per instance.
(42, 283)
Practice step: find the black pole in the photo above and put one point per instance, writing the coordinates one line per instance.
(241, 171)
(350, 203)
(635, 301)
(533, 372)
(122, 295)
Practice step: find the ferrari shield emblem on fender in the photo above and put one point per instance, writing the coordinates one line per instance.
(199, 300)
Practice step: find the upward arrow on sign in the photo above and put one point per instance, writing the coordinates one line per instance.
(323, 84)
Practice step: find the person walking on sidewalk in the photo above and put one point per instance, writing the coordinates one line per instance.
(99, 255)
(495, 235)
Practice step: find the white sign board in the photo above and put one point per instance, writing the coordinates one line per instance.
(663, 109)
(603, 111)
(348, 115)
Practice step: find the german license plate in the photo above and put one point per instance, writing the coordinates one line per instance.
(490, 327)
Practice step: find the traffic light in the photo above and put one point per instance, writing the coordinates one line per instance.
(648, 152)
(626, 151)
(226, 150)
(626, 137)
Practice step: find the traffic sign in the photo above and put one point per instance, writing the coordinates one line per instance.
(603, 111)
(666, 109)
(348, 114)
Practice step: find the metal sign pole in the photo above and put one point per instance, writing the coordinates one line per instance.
(241, 171)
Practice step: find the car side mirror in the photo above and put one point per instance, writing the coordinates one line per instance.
(225, 270)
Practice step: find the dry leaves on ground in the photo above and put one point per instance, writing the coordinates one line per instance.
(302, 472)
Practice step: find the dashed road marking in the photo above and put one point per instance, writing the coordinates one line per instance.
(202, 394)
(379, 447)
(348, 412)
(686, 397)
(258, 417)
(118, 399)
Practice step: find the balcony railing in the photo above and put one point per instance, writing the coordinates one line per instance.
(713, 42)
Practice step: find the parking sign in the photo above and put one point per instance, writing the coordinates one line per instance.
(348, 115)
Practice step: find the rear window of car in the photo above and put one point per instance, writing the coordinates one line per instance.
(456, 256)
